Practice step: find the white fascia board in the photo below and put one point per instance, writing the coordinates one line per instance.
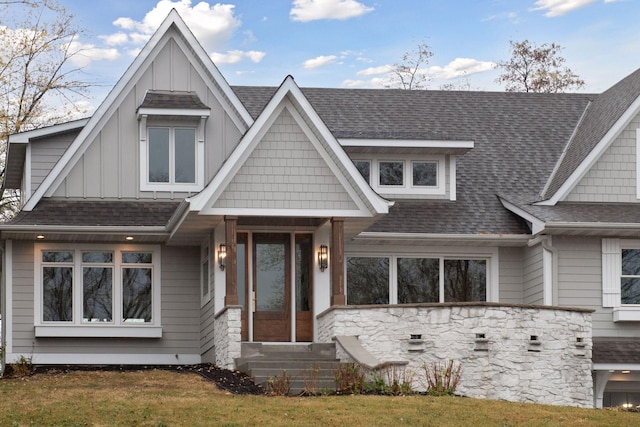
(183, 112)
(405, 143)
(370, 235)
(24, 137)
(211, 67)
(304, 213)
(566, 147)
(72, 154)
(593, 225)
(220, 182)
(595, 154)
(537, 225)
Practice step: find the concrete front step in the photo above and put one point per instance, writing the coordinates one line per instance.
(308, 367)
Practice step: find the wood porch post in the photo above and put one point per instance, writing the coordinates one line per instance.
(231, 268)
(336, 255)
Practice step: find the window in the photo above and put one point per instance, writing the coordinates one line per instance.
(398, 175)
(391, 173)
(364, 167)
(413, 279)
(172, 155)
(630, 278)
(425, 174)
(621, 278)
(97, 288)
(368, 280)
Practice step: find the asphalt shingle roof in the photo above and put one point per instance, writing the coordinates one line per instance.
(616, 350)
(518, 138)
(601, 115)
(172, 99)
(97, 213)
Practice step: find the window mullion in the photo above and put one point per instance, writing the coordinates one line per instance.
(117, 288)
(393, 280)
(172, 155)
(441, 279)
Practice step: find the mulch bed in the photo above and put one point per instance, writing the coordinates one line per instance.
(234, 382)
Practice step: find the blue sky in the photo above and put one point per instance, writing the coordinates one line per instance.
(349, 43)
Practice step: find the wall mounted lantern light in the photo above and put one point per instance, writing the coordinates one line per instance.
(323, 257)
(222, 256)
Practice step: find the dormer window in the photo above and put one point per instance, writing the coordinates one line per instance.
(412, 175)
(172, 141)
(172, 155)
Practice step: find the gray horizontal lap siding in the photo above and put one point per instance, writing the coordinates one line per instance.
(532, 275)
(207, 317)
(510, 283)
(180, 310)
(580, 284)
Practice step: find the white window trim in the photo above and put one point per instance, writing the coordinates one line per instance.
(116, 328)
(488, 254)
(145, 185)
(407, 187)
(612, 279)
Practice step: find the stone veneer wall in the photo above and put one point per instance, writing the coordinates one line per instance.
(226, 336)
(517, 353)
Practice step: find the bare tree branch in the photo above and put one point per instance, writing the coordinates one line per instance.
(534, 68)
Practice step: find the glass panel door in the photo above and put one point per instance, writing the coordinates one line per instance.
(272, 278)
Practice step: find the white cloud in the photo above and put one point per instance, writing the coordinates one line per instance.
(560, 7)
(459, 67)
(212, 25)
(510, 16)
(382, 76)
(311, 10)
(319, 61)
(83, 54)
(235, 56)
(115, 39)
(374, 71)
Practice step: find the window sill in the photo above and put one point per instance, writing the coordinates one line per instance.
(626, 314)
(98, 331)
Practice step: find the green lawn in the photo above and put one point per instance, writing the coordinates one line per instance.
(162, 398)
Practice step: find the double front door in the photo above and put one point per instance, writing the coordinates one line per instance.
(274, 286)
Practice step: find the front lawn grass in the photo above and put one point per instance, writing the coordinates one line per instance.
(165, 398)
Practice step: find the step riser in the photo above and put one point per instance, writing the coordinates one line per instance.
(306, 366)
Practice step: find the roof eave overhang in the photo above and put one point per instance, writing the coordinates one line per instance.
(182, 112)
(358, 145)
(440, 237)
(71, 229)
(591, 228)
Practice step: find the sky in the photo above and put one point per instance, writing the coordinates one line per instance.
(352, 43)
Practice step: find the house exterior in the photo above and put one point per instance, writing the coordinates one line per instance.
(187, 217)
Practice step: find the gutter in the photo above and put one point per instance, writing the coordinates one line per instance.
(368, 235)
